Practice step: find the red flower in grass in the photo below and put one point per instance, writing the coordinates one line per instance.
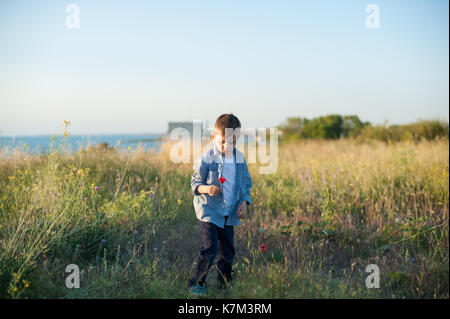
(222, 179)
(262, 248)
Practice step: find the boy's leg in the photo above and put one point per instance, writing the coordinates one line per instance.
(208, 251)
(227, 252)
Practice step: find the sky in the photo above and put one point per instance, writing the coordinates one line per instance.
(133, 66)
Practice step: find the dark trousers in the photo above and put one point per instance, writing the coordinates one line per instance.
(215, 240)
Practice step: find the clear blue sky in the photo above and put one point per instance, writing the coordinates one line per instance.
(132, 67)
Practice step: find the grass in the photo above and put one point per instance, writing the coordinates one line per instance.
(331, 209)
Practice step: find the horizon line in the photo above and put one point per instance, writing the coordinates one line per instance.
(386, 121)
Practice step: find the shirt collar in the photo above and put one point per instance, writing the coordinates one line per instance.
(218, 153)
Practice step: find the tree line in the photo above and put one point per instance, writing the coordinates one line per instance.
(336, 126)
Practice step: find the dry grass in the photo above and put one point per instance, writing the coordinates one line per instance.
(332, 208)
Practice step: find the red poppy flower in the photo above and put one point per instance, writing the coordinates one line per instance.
(222, 179)
(262, 248)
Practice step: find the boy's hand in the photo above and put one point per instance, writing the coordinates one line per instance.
(242, 210)
(213, 190)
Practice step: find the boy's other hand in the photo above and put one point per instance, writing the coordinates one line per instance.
(213, 190)
(242, 210)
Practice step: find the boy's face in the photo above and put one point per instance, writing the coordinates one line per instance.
(225, 144)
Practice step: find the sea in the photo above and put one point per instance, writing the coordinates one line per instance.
(42, 144)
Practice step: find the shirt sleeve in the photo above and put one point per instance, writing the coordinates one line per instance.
(199, 176)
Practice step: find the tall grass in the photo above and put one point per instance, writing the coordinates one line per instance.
(127, 220)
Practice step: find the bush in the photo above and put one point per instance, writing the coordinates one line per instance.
(337, 126)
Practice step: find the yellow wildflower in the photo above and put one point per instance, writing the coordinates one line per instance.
(26, 283)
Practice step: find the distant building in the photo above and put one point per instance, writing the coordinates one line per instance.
(189, 126)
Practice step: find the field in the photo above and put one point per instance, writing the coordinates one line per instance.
(127, 220)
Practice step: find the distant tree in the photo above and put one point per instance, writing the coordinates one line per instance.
(350, 126)
(327, 127)
(422, 129)
(292, 128)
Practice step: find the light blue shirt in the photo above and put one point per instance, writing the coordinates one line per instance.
(207, 171)
(229, 173)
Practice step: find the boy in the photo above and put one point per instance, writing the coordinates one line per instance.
(221, 186)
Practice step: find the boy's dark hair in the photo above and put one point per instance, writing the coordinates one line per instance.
(227, 121)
